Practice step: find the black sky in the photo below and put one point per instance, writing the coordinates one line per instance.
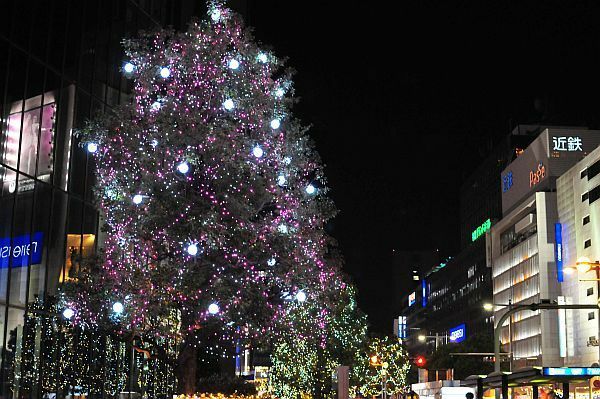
(405, 101)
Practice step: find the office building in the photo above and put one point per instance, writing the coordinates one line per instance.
(60, 66)
(578, 239)
(456, 289)
(520, 247)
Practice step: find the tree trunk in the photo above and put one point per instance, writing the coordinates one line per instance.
(187, 365)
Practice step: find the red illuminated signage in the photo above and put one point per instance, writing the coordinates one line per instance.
(535, 176)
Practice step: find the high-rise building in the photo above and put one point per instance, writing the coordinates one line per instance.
(480, 195)
(521, 246)
(409, 267)
(577, 240)
(455, 290)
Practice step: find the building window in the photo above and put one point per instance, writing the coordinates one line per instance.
(594, 194)
(593, 170)
(583, 173)
(590, 291)
(586, 220)
(584, 197)
(587, 243)
(591, 316)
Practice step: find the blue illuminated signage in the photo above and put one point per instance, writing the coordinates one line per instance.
(558, 252)
(458, 333)
(22, 251)
(507, 182)
(424, 289)
(576, 371)
(402, 327)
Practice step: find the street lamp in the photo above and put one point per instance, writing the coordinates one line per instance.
(488, 307)
(375, 361)
(423, 338)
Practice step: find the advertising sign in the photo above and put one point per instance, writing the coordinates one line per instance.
(550, 155)
(28, 142)
(458, 333)
(558, 250)
(480, 230)
(402, 327)
(580, 371)
(412, 298)
(566, 143)
(24, 250)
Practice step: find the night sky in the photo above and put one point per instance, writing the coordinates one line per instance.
(405, 102)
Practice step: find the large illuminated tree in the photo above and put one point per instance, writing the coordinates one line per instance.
(213, 198)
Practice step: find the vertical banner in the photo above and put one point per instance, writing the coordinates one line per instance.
(402, 327)
(558, 252)
(562, 328)
(424, 289)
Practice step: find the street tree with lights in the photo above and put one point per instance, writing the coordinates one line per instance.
(382, 368)
(213, 201)
(304, 362)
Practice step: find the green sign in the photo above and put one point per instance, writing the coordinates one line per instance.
(479, 231)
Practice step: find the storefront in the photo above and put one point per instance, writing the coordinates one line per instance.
(538, 383)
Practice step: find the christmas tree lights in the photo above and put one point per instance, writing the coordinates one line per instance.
(208, 188)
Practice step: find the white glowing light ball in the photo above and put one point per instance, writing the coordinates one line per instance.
(213, 308)
(275, 123)
(310, 189)
(118, 308)
(183, 167)
(287, 160)
(234, 64)
(271, 262)
(257, 151)
(137, 199)
(192, 249)
(301, 296)
(92, 147)
(279, 93)
(281, 180)
(282, 228)
(228, 104)
(68, 313)
(154, 143)
(165, 72)
(156, 105)
(128, 67)
(215, 15)
(262, 57)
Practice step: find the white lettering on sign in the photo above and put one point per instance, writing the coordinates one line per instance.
(567, 143)
(456, 334)
(19, 250)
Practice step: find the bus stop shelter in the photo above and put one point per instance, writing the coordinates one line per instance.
(533, 377)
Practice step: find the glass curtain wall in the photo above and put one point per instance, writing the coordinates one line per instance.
(59, 66)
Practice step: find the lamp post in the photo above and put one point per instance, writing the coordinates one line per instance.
(489, 307)
(423, 338)
(375, 361)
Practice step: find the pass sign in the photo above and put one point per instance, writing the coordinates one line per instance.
(22, 250)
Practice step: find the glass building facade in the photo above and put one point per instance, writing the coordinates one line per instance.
(59, 66)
